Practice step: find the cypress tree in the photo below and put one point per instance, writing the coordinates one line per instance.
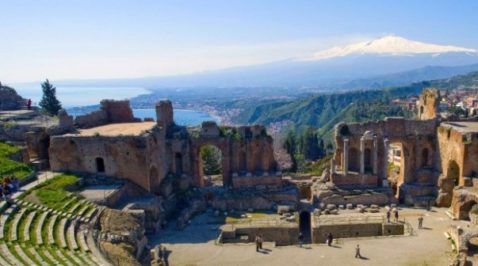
(49, 103)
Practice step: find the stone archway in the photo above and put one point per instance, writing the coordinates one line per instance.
(354, 160)
(305, 226)
(100, 165)
(453, 171)
(368, 161)
(425, 158)
(211, 165)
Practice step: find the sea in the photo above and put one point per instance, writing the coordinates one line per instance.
(72, 97)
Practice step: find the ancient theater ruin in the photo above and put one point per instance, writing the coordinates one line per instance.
(377, 166)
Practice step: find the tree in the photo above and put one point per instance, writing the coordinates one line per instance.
(211, 158)
(310, 144)
(290, 146)
(49, 103)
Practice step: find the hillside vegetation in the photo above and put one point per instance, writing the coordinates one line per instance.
(9, 167)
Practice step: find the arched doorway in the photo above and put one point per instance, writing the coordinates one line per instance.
(100, 165)
(453, 171)
(368, 161)
(354, 160)
(305, 226)
(211, 169)
(472, 245)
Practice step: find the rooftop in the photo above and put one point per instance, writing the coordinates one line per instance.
(464, 127)
(112, 130)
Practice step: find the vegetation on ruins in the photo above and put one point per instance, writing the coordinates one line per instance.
(54, 192)
(211, 158)
(49, 103)
(9, 167)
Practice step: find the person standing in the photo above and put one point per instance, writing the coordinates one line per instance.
(420, 222)
(301, 239)
(388, 216)
(396, 215)
(257, 243)
(330, 238)
(261, 240)
(357, 252)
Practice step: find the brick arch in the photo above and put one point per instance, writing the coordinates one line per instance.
(223, 145)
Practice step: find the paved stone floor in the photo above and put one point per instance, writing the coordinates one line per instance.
(195, 246)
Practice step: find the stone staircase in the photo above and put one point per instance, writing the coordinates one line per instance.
(31, 234)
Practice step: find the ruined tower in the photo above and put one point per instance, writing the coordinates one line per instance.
(428, 104)
(164, 114)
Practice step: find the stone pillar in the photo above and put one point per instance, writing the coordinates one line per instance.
(386, 143)
(362, 155)
(375, 155)
(346, 157)
(332, 166)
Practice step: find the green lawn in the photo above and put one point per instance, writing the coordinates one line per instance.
(53, 193)
(9, 166)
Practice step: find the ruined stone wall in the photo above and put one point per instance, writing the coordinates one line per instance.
(93, 119)
(123, 157)
(118, 111)
(428, 104)
(413, 135)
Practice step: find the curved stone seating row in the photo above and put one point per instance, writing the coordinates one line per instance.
(15, 223)
(70, 235)
(50, 231)
(80, 235)
(4, 217)
(3, 260)
(67, 204)
(83, 210)
(75, 207)
(50, 257)
(63, 258)
(9, 256)
(28, 225)
(37, 256)
(61, 230)
(23, 256)
(39, 227)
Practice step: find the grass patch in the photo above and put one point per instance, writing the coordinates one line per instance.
(250, 216)
(53, 193)
(9, 167)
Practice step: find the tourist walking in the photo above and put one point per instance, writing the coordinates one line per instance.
(357, 252)
(330, 238)
(396, 215)
(301, 239)
(388, 216)
(257, 242)
(261, 240)
(420, 222)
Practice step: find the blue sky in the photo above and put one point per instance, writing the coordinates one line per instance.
(119, 39)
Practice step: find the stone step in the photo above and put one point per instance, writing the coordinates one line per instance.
(88, 259)
(37, 256)
(70, 235)
(80, 235)
(74, 257)
(91, 213)
(3, 261)
(61, 231)
(28, 224)
(66, 205)
(4, 217)
(39, 227)
(51, 231)
(60, 255)
(23, 255)
(83, 210)
(9, 256)
(15, 223)
(75, 207)
(50, 256)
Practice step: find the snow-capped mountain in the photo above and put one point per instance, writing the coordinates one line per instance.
(390, 45)
(333, 68)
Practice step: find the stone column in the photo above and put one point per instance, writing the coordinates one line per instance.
(375, 155)
(386, 143)
(362, 155)
(346, 157)
(332, 166)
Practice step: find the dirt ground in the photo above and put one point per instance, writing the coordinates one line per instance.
(195, 245)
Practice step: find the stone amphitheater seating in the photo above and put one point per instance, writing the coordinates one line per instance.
(24, 244)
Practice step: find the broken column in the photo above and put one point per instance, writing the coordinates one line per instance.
(386, 143)
(362, 155)
(346, 157)
(375, 155)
